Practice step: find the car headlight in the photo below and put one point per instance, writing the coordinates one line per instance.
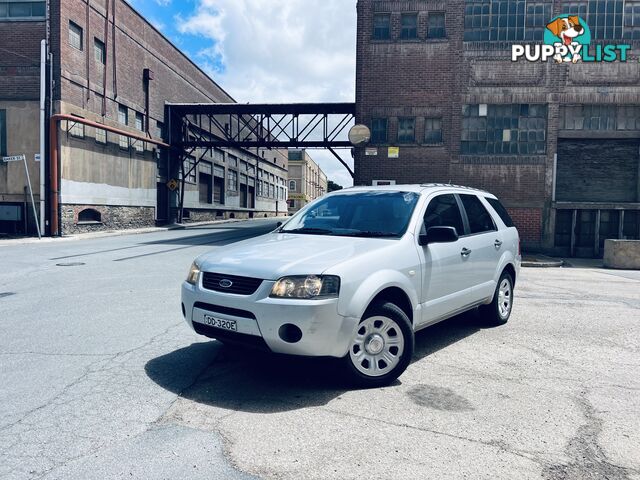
(194, 271)
(307, 286)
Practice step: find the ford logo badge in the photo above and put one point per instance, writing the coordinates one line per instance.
(225, 283)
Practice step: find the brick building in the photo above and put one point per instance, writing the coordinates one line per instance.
(307, 181)
(560, 144)
(111, 66)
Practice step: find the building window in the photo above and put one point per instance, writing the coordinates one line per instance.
(123, 118)
(292, 185)
(101, 136)
(609, 19)
(504, 129)
(406, 130)
(89, 215)
(409, 26)
(436, 25)
(600, 117)
(190, 170)
(379, 130)
(381, 27)
(3, 132)
(22, 10)
(99, 51)
(506, 20)
(76, 129)
(232, 180)
(433, 130)
(75, 35)
(139, 144)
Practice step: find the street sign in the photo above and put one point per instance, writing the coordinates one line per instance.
(14, 158)
(394, 152)
(172, 184)
(371, 152)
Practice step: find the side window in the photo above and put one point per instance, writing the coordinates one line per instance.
(501, 211)
(479, 218)
(443, 211)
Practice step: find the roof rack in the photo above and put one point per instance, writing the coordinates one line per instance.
(450, 185)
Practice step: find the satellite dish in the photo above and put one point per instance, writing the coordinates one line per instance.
(359, 135)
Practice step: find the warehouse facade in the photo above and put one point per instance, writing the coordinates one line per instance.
(307, 181)
(558, 143)
(111, 66)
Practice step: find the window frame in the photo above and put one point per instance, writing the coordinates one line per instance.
(30, 18)
(375, 28)
(375, 138)
(465, 216)
(99, 46)
(427, 141)
(460, 212)
(403, 141)
(435, 14)
(80, 34)
(409, 29)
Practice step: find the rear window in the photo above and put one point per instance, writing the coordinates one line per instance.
(501, 211)
(479, 218)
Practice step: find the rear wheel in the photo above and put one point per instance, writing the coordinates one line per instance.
(381, 348)
(499, 310)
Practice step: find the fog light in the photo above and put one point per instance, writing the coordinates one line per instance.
(290, 333)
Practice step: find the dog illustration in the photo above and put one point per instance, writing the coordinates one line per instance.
(567, 29)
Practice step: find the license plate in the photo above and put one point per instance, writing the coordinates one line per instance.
(230, 325)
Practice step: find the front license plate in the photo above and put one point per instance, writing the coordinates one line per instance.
(230, 325)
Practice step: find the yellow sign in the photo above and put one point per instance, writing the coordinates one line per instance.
(297, 196)
(394, 152)
(172, 184)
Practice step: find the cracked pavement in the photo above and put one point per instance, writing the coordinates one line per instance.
(102, 379)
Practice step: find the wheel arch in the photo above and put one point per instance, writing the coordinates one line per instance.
(395, 295)
(511, 269)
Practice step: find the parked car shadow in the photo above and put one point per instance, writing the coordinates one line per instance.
(252, 381)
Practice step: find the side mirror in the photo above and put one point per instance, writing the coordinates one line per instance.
(439, 235)
(279, 224)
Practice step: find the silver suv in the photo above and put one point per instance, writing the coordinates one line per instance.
(354, 274)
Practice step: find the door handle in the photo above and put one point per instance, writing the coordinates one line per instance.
(465, 252)
(497, 243)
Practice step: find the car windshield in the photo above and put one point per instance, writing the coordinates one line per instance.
(382, 214)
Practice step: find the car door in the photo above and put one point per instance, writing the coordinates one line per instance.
(445, 280)
(483, 244)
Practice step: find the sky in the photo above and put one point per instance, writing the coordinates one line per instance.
(268, 51)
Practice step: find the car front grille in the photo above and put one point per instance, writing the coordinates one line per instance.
(238, 285)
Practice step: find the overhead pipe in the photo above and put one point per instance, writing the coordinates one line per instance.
(54, 161)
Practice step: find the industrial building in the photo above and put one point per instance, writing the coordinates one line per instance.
(558, 143)
(106, 65)
(307, 181)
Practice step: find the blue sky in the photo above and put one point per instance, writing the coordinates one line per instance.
(270, 51)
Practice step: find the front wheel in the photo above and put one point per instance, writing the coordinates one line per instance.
(499, 310)
(381, 348)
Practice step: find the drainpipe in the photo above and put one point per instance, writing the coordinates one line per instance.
(43, 96)
(54, 161)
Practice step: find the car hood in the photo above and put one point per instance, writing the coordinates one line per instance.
(274, 255)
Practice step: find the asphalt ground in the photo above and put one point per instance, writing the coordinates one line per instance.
(101, 378)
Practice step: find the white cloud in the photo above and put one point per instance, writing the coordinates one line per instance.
(277, 51)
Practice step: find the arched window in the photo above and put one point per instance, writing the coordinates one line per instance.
(89, 215)
(292, 185)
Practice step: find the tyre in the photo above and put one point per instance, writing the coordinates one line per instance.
(499, 310)
(381, 348)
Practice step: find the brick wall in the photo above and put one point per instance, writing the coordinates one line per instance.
(529, 223)
(20, 60)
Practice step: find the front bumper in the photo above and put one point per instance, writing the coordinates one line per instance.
(260, 319)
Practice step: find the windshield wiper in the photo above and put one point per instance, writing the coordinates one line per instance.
(309, 230)
(371, 234)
